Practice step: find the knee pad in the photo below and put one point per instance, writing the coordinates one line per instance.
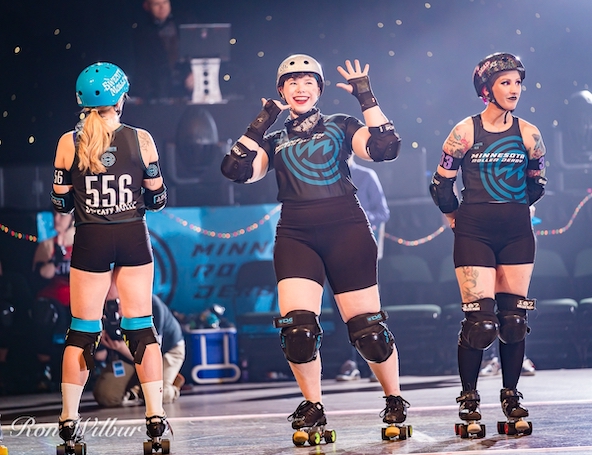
(83, 334)
(300, 336)
(480, 327)
(137, 334)
(512, 317)
(371, 336)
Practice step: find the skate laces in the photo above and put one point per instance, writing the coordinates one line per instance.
(394, 404)
(469, 400)
(304, 409)
(160, 424)
(69, 429)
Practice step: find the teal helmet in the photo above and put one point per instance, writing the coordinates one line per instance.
(101, 84)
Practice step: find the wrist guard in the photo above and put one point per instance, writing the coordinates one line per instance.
(238, 164)
(62, 203)
(441, 190)
(363, 92)
(155, 200)
(535, 188)
(264, 120)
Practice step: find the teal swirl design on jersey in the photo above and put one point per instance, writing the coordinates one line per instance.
(315, 161)
(502, 167)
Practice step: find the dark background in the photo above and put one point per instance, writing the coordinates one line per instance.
(421, 57)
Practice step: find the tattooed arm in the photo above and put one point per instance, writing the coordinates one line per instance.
(533, 141)
(458, 142)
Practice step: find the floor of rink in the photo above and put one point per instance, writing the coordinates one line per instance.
(246, 418)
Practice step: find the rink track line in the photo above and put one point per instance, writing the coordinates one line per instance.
(412, 409)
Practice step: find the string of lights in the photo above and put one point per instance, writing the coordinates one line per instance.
(267, 218)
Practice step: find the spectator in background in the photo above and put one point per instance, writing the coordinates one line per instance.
(117, 383)
(159, 72)
(51, 309)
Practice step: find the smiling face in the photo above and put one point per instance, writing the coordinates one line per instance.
(301, 92)
(507, 89)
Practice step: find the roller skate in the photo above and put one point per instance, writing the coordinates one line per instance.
(71, 433)
(156, 428)
(3, 449)
(469, 412)
(395, 414)
(515, 414)
(309, 422)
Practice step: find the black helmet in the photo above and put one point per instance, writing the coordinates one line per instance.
(493, 64)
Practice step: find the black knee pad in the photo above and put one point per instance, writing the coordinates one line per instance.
(480, 327)
(137, 340)
(87, 341)
(371, 336)
(512, 317)
(301, 335)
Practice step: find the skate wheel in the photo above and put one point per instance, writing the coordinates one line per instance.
(147, 447)
(528, 430)
(392, 432)
(457, 428)
(314, 438)
(166, 446)
(3, 450)
(481, 434)
(298, 438)
(501, 427)
(330, 436)
(409, 431)
(522, 426)
(462, 431)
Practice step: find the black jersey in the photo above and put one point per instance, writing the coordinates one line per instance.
(494, 169)
(116, 195)
(313, 165)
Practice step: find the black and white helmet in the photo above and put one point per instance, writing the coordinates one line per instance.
(485, 71)
(299, 63)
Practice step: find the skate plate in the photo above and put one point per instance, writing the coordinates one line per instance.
(78, 448)
(314, 436)
(515, 427)
(396, 431)
(160, 446)
(471, 429)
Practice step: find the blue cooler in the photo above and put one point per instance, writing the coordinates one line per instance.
(214, 355)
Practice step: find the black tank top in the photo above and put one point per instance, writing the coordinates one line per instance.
(313, 165)
(494, 169)
(114, 196)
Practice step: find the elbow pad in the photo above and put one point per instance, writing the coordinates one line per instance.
(155, 200)
(384, 143)
(238, 164)
(535, 188)
(63, 203)
(442, 193)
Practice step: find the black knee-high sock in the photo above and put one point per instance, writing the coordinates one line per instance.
(469, 364)
(511, 357)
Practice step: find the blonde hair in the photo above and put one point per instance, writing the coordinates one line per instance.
(92, 141)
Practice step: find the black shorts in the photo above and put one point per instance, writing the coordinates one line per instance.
(327, 237)
(487, 235)
(98, 246)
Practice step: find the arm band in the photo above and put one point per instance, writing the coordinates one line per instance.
(363, 92)
(155, 200)
(442, 193)
(238, 164)
(384, 143)
(535, 188)
(152, 171)
(264, 120)
(449, 162)
(537, 164)
(63, 203)
(62, 177)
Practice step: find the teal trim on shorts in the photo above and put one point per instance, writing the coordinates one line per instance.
(84, 325)
(144, 322)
